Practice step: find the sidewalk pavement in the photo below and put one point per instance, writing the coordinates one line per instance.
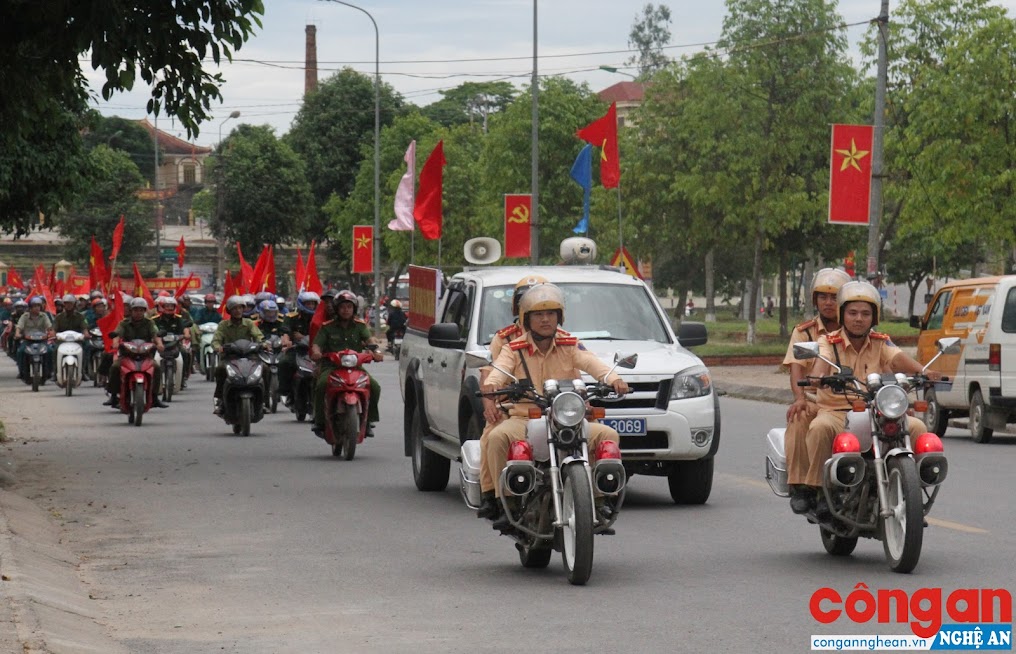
(766, 383)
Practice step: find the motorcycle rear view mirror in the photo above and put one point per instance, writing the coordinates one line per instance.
(478, 358)
(949, 345)
(806, 350)
(627, 361)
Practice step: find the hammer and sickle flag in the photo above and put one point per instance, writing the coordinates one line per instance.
(517, 210)
(850, 174)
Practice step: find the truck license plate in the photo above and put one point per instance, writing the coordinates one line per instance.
(627, 426)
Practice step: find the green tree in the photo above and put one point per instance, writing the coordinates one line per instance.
(506, 163)
(330, 132)
(787, 77)
(112, 183)
(263, 189)
(41, 44)
(650, 33)
(471, 102)
(121, 134)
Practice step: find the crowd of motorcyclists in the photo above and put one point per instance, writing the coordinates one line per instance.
(261, 319)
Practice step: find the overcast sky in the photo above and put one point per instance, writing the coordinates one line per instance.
(426, 46)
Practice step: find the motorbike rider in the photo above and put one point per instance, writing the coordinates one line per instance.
(283, 309)
(236, 328)
(169, 322)
(299, 326)
(345, 332)
(491, 413)
(865, 351)
(36, 320)
(100, 307)
(269, 322)
(208, 312)
(5, 310)
(20, 309)
(396, 323)
(543, 352)
(136, 326)
(70, 319)
(824, 286)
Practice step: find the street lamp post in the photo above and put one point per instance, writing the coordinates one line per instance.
(614, 69)
(220, 244)
(377, 160)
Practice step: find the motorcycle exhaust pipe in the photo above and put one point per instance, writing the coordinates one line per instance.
(932, 468)
(518, 478)
(845, 469)
(609, 476)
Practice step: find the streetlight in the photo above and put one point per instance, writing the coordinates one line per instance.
(112, 136)
(613, 69)
(220, 244)
(377, 159)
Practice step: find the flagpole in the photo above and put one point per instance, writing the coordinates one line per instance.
(620, 234)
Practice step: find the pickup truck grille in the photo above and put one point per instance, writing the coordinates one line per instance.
(643, 395)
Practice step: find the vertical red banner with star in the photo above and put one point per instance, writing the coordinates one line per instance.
(850, 174)
(363, 249)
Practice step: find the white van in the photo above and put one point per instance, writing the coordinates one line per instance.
(982, 313)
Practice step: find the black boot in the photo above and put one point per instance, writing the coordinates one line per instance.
(488, 506)
(113, 401)
(501, 521)
(802, 499)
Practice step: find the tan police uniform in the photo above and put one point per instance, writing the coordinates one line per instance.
(797, 429)
(876, 355)
(562, 359)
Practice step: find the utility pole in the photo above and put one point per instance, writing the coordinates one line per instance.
(158, 202)
(875, 206)
(534, 213)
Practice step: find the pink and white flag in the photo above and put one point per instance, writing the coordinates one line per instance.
(404, 196)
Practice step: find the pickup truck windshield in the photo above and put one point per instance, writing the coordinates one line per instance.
(592, 311)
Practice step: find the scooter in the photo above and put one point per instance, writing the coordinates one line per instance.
(95, 358)
(208, 359)
(271, 374)
(36, 352)
(137, 378)
(243, 391)
(395, 342)
(69, 360)
(302, 400)
(171, 360)
(347, 396)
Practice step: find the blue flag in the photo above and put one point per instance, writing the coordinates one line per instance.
(582, 172)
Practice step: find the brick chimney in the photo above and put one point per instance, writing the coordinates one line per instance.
(310, 66)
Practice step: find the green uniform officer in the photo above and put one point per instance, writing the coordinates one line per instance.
(345, 332)
(235, 329)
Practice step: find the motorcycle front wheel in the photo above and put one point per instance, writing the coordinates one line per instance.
(167, 383)
(68, 381)
(577, 532)
(36, 376)
(96, 360)
(273, 394)
(903, 529)
(138, 404)
(298, 403)
(346, 432)
(245, 416)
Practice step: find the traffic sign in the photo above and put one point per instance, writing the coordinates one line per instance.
(623, 259)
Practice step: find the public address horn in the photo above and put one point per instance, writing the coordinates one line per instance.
(482, 250)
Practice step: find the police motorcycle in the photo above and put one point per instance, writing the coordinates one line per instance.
(208, 358)
(271, 372)
(36, 351)
(243, 391)
(69, 360)
(877, 484)
(548, 476)
(302, 398)
(171, 360)
(97, 347)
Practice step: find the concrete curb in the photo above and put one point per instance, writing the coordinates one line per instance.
(757, 393)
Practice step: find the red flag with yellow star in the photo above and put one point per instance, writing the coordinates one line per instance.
(602, 133)
(850, 174)
(363, 249)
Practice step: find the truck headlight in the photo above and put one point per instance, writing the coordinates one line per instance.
(693, 382)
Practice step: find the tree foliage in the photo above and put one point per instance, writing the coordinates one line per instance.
(122, 134)
(650, 33)
(330, 131)
(111, 183)
(41, 166)
(471, 102)
(263, 190)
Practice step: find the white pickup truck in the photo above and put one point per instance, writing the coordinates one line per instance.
(669, 424)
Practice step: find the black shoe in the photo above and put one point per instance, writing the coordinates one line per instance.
(822, 511)
(86, 377)
(217, 406)
(802, 500)
(489, 506)
(159, 404)
(370, 431)
(112, 401)
(502, 523)
(318, 431)
(604, 513)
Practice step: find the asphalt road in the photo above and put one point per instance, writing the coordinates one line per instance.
(192, 540)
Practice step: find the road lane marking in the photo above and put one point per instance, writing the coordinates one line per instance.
(936, 522)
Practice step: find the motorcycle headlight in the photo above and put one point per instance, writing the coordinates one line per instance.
(693, 382)
(569, 409)
(255, 375)
(349, 360)
(892, 402)
(231, 372)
